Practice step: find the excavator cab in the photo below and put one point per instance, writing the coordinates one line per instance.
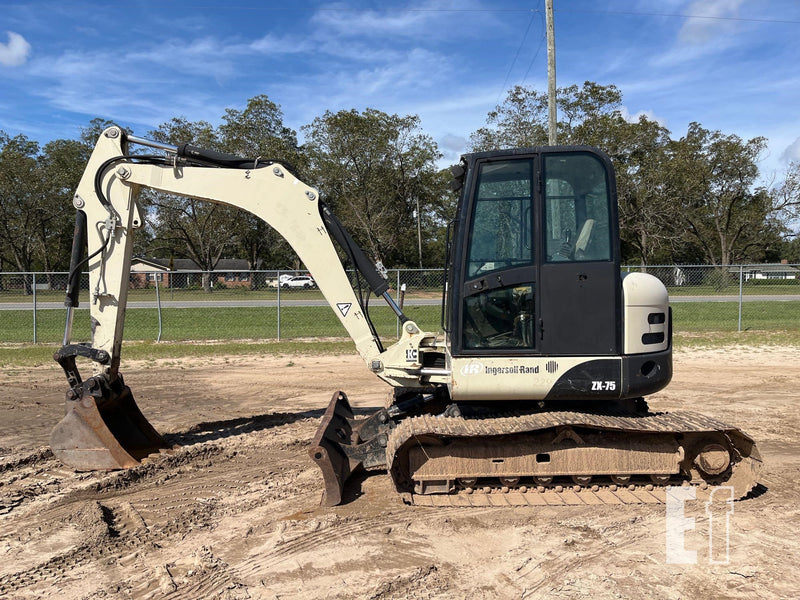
(536, 260)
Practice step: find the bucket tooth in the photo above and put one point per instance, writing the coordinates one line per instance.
(103, 429)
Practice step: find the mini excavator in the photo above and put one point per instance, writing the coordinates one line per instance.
(531, 393)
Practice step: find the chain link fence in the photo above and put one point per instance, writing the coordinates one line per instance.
(762, 297)
(249, 305)
(194, 305)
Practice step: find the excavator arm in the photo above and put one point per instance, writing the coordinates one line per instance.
(103, 427)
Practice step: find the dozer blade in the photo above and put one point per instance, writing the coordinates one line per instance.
(327, 451)
(344, 444)
(104, 432)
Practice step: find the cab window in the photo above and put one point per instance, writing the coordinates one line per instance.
(576, 208)
(501, 229)
(501, 226)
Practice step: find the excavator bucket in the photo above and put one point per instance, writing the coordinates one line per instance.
(104, 431)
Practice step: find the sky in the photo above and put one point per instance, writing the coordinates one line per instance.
(731, 65)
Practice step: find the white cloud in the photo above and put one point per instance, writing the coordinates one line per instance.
(16, 52)
(634, 117)
(369, 22)
(413, 20)
(717, 21)
(80, 82)
(712, 35)
(792, 152)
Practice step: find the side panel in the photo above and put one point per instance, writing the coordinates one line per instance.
(541, 378)
(562, 378)
(646, 312)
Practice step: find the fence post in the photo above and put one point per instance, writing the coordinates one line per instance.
(741, 273)
(279, 306)
(34, 308)
(397, 299)
(158, 305)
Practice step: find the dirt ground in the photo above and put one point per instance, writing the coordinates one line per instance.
(234, 513)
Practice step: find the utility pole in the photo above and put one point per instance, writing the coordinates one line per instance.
(551, 74)
(419, 233)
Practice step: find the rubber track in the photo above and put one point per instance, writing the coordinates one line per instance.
(674, 423)
(568, 495)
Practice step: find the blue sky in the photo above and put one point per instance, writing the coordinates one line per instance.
(732, 65)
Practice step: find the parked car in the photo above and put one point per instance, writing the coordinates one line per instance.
(279, 281)
(301, 281)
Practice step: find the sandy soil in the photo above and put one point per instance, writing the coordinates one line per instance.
(234, 513)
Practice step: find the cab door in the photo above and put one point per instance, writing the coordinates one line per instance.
(497, 300)
(579, 284)
(537, 268)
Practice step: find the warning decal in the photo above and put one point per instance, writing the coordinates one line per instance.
(344, 307)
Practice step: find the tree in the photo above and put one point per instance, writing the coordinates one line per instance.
(378, 172)
(200, 230)
(36, 212)
(711, 177)
(591, 115)
(258, 131)
(786, 200)
(61, 165)
(587, 111)
(521, 121)
(440, 213)
(790, 251)
(91, 132)
(19, 201)
(647, 223)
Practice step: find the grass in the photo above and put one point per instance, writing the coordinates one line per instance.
(217, 331)
(725, 339)
(749, 289)
(256, 323)
(180, 324)
(36, 355)
(149, 295)
(724, 316)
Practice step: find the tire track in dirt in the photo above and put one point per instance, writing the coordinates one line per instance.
(161, 500)
(233, 513)
(329, 531)
(18, 474)
(555, 569)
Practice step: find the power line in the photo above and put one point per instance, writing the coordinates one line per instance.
(678, 15)
(538, 48)
(494, 10)
(516, 56)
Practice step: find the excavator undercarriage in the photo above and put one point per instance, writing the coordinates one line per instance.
(469, 457)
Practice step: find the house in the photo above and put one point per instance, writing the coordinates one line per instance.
(767, 271)
(230, 272)
(144, 271)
